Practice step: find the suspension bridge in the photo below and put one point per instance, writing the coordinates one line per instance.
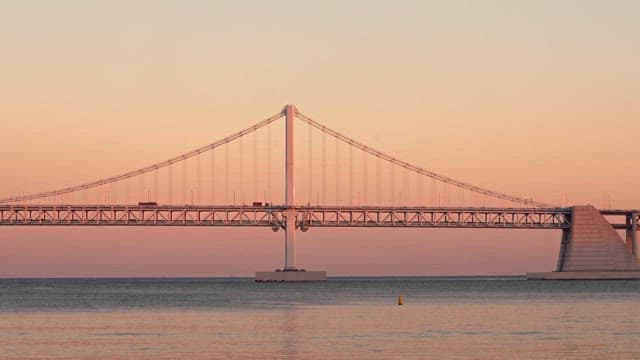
(342, 183)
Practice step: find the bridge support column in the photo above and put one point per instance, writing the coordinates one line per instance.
(564, 244)
(290, 241)
(632, 234)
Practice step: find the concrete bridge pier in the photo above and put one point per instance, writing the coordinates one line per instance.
(632, 234)
(564, 244)
(592, 249)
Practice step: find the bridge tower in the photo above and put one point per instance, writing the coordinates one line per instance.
(290, 272)
(290, 191)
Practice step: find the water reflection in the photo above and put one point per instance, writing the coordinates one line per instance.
(290, 332)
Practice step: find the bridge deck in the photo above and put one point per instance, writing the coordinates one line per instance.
(274, 217)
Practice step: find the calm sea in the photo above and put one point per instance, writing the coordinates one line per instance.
(344, 318)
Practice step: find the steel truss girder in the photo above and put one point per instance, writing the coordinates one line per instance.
(123, 215)
(306, 217)
(534, 218)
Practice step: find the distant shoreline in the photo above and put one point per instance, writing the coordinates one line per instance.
(341, 277)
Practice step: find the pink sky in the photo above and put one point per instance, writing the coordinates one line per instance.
(535, 98)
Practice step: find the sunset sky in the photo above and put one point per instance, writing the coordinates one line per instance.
(533, 97)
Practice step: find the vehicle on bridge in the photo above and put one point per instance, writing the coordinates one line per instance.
(147, 203)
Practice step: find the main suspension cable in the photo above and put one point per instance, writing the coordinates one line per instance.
(417, 169)
(146, 169)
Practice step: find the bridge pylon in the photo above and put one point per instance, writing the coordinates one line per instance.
(290, 191)
(290, 272)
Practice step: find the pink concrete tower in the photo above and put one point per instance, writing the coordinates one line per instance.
(290, 271)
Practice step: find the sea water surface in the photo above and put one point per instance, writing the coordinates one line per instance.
(344, 318)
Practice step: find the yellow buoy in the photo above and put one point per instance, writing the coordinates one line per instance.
(400, 300)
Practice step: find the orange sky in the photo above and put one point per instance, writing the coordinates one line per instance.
(532, 97)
